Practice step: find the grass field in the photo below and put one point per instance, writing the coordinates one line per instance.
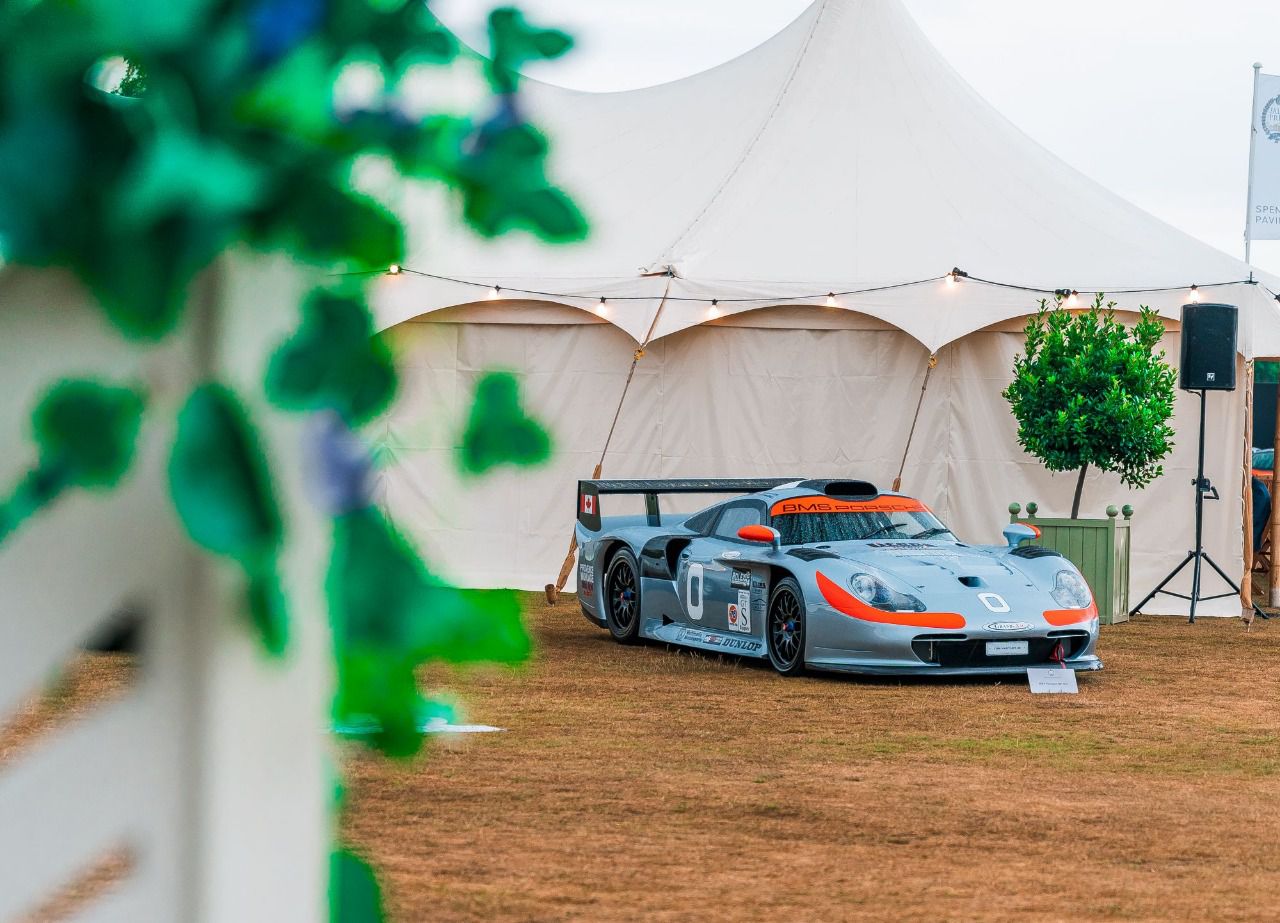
(652, 783)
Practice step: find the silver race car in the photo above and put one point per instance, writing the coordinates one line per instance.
(828, 575)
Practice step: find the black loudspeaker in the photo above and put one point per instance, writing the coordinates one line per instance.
(1208, 347)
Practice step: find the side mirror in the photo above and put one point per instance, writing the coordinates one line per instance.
(1016, 533)
(762, 534)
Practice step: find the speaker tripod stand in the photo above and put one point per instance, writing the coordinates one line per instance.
(1198, 556)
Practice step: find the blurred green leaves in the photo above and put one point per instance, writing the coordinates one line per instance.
(390, 615)
(333, 361)
(85, 433)
(225, 130)
(1090, 391)
(222, 491)
(514, 43)
(498, 431)
(354, 895)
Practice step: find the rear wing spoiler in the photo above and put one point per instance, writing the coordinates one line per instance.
(589, 493)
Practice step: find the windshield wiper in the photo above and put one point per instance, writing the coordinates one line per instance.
(929, 533)
(880, 530)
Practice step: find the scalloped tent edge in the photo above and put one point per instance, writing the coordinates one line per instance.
(843, 154)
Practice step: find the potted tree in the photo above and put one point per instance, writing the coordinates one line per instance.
(1090, 392)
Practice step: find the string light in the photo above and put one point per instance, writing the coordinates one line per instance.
(951, 278)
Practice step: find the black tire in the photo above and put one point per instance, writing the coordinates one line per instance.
(785, 628)
(622, 598)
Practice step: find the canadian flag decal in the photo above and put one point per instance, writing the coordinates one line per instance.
(588, 504)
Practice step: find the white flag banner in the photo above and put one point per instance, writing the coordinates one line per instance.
(1264, 212)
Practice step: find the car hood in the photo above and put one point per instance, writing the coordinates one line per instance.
(925, 563)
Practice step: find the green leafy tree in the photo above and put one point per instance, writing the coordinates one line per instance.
(1091, 391)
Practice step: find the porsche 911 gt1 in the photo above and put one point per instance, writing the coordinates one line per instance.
(828, 575)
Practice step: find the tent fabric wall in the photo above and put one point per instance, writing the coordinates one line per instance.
(755, 395)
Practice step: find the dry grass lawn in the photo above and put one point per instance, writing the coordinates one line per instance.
(651, 783)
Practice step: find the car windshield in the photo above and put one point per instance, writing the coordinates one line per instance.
(806, 528)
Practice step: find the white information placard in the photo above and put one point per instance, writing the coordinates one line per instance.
(1052, 679)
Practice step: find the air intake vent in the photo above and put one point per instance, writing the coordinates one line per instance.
(1035, 551)
(811, 554)
(844, 490)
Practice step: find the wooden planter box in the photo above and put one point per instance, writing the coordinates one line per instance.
(1099, 547)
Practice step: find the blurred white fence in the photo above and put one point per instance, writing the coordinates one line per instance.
(212, 770)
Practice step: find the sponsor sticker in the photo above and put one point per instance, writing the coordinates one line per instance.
(1008, 626)
(587, 579)
(905, 546)
(740, 613)
(588, 503)
(740, 578)
(731, 555)
(706, 638)
(828, 505)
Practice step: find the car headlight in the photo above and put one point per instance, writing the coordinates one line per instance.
(875, 592)
(1070, 591)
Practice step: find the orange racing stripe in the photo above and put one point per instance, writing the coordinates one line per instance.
(845, 602)
(1071, 616)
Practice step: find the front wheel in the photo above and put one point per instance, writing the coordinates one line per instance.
(622, 598)
(785, 627)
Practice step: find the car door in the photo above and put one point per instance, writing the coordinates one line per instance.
(715, 592)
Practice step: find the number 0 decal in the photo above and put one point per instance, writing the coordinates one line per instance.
(695, 608)
(994, 601)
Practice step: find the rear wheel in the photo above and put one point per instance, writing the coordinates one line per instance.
(622, 598)
(785, 627)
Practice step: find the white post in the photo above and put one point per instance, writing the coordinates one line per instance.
(1253, 127)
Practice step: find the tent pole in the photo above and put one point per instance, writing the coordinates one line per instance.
(553, 589)
(1248, 207)
(1246, 581)
(1273, 587)
(924, 386)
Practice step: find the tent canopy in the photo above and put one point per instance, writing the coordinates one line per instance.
(843, 155)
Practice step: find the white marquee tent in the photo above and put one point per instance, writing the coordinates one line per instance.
(842, 156)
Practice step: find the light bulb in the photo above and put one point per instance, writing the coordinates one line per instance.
(951, 278)
(1195, 294)
(831, 300)
(394, 269)
(713, 311)
(495, 292)
(602, 309)
(1073, 300)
